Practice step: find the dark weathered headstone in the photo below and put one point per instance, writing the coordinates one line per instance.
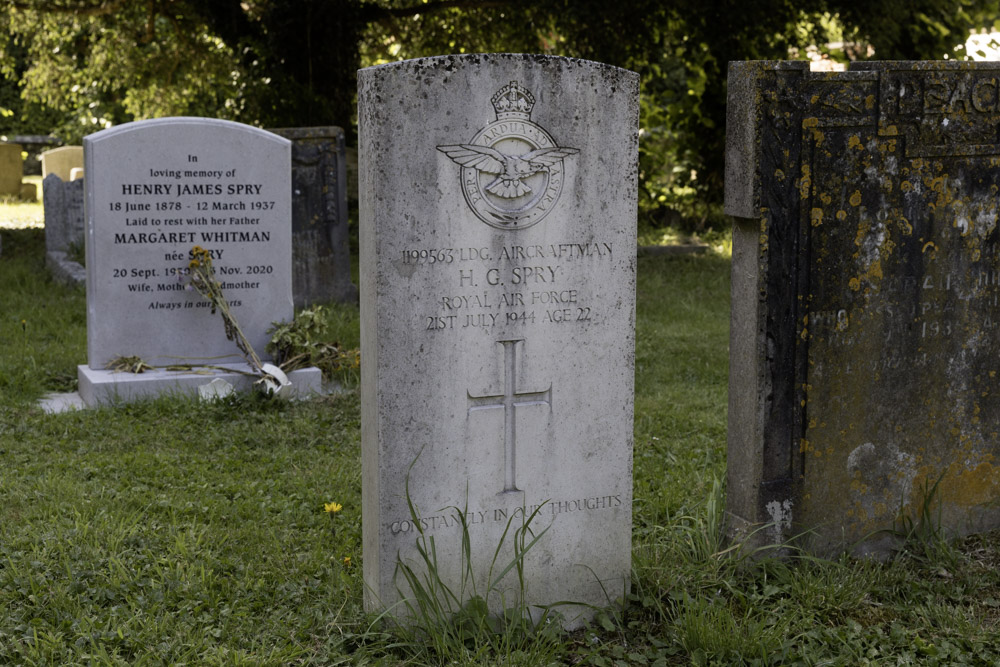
(865, 350)
(321, 254)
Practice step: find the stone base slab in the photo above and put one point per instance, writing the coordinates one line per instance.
(101, 387)
(55, 403)
(65, 270)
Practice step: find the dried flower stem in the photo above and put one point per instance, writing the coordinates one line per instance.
(204, 282)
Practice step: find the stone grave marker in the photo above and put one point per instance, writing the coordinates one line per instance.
(34, 145)
(865, 350)
(321, 253)
(11, 169)
(154, 190)
(498, 213)
(64, 228)
(61, 161)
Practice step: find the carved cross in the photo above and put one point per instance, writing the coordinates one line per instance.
(510, 400)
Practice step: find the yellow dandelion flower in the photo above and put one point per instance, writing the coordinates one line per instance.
(194, 264)
(332, 508)
(347, 561)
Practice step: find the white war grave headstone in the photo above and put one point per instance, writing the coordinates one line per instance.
(154, 190)
(498, 242)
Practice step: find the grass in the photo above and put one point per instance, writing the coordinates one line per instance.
(15, 214)
(170, 532)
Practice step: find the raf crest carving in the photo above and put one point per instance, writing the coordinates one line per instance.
(512, 170)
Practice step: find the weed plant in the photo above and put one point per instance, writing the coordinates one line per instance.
(457, 624)
(178, 532)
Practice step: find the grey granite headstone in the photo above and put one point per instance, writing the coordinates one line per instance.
(54, 206)
(321, 253)
(498, 213)
(865, 350)
(154, 190)
(64, 233)
(63, 204)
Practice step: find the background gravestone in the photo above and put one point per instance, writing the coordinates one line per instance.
(34, 145)
(321, 252)
(498, 211)
(154, 190)
(865, 354)
(11, 169)
(54, 204)
(64, 228)
(61, 161)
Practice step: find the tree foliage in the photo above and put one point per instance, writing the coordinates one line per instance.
(89, 63)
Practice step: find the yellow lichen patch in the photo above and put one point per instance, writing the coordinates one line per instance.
(864, 227)
(962, 486)
(804, 446)
(855, 199)
(812, 124)
(805, 183)
(841, 214)
(854, 284)
(939, 184)
(890, 131)
(816, 217)
(907, 227)
(874, 271)
(826, 198)
(928, 246)
(814, 99)
(905, 186)
(870, 102)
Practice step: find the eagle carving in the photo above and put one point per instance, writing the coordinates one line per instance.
(510, 170)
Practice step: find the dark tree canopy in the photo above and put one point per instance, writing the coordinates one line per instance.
(75, 66)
